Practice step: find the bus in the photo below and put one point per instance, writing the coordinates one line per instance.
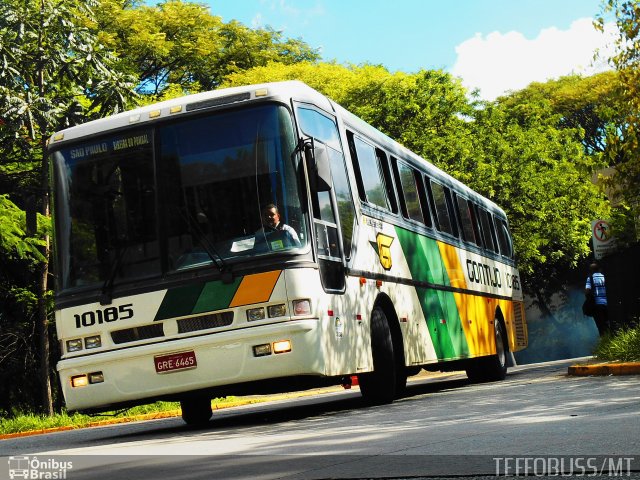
(171, 284)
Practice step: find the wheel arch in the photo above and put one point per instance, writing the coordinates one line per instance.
(384, 302)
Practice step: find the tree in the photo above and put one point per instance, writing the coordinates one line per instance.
(55, 73)
(181, 43)
(624, 151)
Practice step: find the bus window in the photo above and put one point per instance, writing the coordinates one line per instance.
(442, 212)
(388, 182)
(372, 187)
(488, 235)
(467, 220)
(408, 193)
(324, 128)
(504, 238)
(319, 126)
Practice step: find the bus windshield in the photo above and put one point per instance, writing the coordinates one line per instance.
(187, 194)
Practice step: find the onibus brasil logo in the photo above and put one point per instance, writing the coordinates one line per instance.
(35, 468)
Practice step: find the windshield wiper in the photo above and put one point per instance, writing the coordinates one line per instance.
(206, 244)
(107, 287)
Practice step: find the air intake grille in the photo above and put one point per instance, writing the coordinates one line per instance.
(137, 333)
(214, 320)
(521, 332)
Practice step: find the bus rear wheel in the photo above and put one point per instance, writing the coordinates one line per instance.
(492, 368)
(379, 386)
(196, 411)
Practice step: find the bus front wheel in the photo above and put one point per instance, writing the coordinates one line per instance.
(379, 386)
(196, 410)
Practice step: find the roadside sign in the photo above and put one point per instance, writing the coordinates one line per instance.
(603, 243)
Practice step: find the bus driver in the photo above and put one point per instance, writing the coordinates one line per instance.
(271, 226)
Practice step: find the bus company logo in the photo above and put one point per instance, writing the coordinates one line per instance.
(383, 242)
(35, 468)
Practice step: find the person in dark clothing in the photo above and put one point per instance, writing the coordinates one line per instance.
(596, 285)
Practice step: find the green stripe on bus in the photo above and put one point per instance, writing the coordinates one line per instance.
(198, 298)
(216, 296)
(425, 264)
(423, 257)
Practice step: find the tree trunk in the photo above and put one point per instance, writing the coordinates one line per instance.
(43, 276)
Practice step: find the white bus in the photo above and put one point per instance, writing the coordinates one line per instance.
(172, 285)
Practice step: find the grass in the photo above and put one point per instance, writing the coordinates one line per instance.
(24, 422)
(623, 346)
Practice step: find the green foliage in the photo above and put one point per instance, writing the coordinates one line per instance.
(623, 346)
(14, 241)
(181, 43)
(624, 148)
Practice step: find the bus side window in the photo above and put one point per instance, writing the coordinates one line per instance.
(504, 238)
(440, 201)
(371, 177)
(408, 191)
(488, 233)
(388, 181)
(467, 220)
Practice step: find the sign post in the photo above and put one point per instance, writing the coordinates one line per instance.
(603, 243)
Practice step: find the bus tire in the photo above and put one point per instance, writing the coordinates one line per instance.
(492, 368)
(196, 411)
(379, 386)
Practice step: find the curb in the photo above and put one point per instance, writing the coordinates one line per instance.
(626, 368)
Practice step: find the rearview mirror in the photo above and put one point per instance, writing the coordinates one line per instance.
(318, 167)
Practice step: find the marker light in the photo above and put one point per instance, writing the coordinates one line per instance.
(282, 346)
(277, 310)
(79, 381)
(74, 345)
(154, 113)
(134, 118)
(96, 377)
(262, 92)
(93, 342)
(175, 109)
(262, 350)
(58, 136)
(302, 307)
(254, 314)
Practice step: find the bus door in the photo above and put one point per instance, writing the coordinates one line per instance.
(327, 176)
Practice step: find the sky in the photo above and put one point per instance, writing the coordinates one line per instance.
(492, 45)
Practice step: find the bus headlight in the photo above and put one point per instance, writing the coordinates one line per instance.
(74, 345)
(277, 310)
(254, 314)
(93, 342)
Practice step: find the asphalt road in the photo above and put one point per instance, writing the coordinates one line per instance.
(537, 421)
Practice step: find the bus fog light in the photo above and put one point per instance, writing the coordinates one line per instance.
(79, 381)
(96, 377)
(302, 307)
(277, 310)
(282, 346)
(254, 314)
(93, 342)
(74, 345)
(262, 350)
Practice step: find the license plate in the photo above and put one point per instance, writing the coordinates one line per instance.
(175, 362)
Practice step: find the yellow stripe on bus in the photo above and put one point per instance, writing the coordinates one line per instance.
(255, 288)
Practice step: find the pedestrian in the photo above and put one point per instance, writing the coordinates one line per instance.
(596, 286)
